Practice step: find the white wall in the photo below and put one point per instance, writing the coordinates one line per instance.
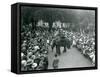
(5, 28)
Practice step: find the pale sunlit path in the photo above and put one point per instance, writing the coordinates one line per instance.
(72, 58)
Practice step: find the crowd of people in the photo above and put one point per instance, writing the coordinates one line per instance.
(34, 46)
(85, 43)
(34, 49)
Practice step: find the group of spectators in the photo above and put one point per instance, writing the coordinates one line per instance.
(34, 49)
(34, 46)
(85, 43)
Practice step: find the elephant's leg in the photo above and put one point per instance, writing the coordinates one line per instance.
(58, 50)
(64, 49)
(52, 47)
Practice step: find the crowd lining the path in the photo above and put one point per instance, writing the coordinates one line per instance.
(34, 46)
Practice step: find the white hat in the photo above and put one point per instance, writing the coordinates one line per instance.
(23, 62)
(34, 65)
(36, 47)
(22, 54)
(30, 53)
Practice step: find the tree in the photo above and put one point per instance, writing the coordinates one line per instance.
(50, 15)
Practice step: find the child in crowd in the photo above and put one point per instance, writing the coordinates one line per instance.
(55, 62)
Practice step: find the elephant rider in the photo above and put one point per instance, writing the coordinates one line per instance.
(64, 39)
(61, 33)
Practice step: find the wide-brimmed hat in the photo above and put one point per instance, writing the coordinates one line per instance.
(34, 65)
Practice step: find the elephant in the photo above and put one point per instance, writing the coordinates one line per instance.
(60, 42)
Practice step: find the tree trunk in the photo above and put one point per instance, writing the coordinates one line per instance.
(50, 26)
(33, 24)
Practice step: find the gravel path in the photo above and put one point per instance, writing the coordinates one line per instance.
(72, 58)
